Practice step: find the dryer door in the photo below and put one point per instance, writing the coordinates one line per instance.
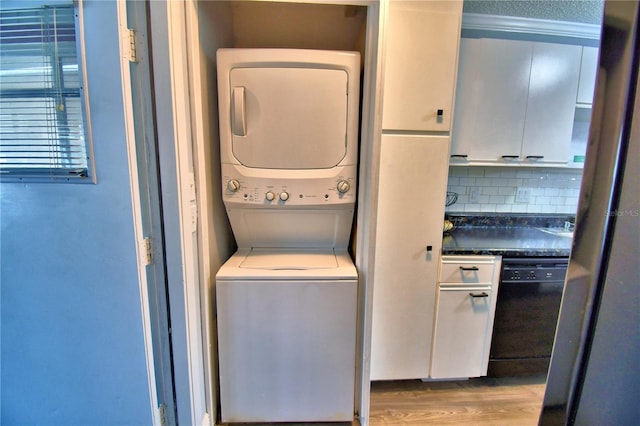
(288, 118)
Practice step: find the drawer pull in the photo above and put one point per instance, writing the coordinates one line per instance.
(510, 157)
(475, 295)
(470, 268)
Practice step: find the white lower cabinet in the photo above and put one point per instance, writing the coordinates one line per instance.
(465, 307)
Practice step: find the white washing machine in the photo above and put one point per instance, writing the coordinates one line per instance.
(287, 300)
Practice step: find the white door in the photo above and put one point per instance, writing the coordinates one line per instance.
(460, 337)
(551, 104)
(588, 69)
(287, 349)
(413, 181)
(491, 100)
(138, 95)
(172, 25)
(288, 118)
(420, 68)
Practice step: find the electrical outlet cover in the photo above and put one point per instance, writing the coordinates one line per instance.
(474, 194)
(523, 195)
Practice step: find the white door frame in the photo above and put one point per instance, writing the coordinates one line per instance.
(169, 28)
(137, 206)
(184, 33)
(186, 95)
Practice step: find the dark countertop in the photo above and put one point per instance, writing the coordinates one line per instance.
(506, 242)
(519, 238)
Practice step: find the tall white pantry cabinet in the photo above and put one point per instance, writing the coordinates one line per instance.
(421, 58)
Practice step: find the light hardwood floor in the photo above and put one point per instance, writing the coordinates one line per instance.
(477, 402)
(483, 401)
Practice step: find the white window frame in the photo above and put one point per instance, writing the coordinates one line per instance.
(60, 172)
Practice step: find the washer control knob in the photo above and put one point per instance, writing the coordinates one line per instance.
(233, 185)
(343, 186)
(284, 196)
(270, 196)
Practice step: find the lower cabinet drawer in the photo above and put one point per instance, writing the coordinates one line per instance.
(467, 270)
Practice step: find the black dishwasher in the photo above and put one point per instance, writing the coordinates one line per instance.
(527, 307)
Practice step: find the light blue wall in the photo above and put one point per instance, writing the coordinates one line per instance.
(72, 342)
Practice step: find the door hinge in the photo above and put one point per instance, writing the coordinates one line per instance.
(162, 414)
(133, 55)
(147, 254)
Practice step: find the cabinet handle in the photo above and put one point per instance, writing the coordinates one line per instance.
(535, 157)
(459, 156)
(440, 113)
(469, 268)
(510, 157)
(475, 295)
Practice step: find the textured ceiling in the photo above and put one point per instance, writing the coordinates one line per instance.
(585, 11)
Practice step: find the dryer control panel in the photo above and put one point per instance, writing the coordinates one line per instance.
(263, 188)
(289, 192)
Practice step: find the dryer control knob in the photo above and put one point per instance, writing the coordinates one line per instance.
(284, 196)
(233, 185)
(270, 196)
(343, 186)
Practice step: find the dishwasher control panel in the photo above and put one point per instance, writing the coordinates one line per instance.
(534, 272)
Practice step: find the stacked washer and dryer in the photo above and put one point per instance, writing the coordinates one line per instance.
(287, 299)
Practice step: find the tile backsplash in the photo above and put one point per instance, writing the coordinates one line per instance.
(515, 190)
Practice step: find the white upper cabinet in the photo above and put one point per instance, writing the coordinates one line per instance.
(588, 69)
(491, 98)
(515, 102)
(420, 64)
(555, 71)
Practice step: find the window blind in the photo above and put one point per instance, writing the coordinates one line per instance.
(42, 127)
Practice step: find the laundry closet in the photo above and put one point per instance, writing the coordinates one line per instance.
(250, 25)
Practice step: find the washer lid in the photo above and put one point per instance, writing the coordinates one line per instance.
(332, 264)
(289, 259)
(288, 118)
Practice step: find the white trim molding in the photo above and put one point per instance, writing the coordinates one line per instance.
(136, 206)
(515, 24)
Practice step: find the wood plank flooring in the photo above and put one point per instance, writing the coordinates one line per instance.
(483, 401)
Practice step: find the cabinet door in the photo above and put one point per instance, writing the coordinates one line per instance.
(588, 69)
(412, 190)
(555, 70)
(491, 99)
(420, 65)
(460, 337)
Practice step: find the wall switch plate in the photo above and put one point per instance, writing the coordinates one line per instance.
(523, 195)
(474, 194)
